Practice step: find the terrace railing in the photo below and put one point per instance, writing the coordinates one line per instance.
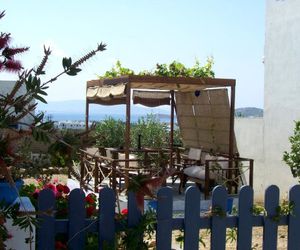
(76, 226)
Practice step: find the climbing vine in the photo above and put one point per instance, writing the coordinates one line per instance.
(175, 68)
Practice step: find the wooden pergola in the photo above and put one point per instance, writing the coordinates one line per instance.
(167, 84)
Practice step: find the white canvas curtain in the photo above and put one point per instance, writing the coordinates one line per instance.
(204, 120)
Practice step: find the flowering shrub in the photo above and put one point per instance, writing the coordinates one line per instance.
(61, 193)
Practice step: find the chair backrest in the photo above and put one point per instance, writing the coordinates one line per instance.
(194, 154)
(132, 164)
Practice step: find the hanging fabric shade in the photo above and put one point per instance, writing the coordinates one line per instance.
(107, 95)
(204, 119)
(151, 98)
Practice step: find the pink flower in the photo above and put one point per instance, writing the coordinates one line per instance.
(55, 180)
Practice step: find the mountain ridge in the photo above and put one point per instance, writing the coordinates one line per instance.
(78, 107)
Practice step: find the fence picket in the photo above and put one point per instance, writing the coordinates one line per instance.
(218, 223)
(77, 216)
(191, 217)
(134, 213)
(191, 223)
(46, 230)
(270, 225)
(244, 237)
(164, 219)
(106, 215)
(294, 219)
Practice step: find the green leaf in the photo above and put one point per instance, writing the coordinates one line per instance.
(39, 98)
(67, 62)
(73, 71)
(42, 92)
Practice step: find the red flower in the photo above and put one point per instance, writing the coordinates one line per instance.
(66, 189)
(58, 195)
(90, 211)
(91, 198)
(60, 188)
(35, 194)
(124, 211)
(51, 186)
(13, 66)
(60, 246)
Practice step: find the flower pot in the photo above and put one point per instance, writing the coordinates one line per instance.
(8, 193)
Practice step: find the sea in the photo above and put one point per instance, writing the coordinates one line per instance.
(100, 117)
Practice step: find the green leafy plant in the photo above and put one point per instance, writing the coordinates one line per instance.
(180, 238)
(175, 68)
(110, 133)
(135, 237)
(61, 152)
(258, 210)
(154, 134)
(118, 70)
(292, 158)
(284, 209)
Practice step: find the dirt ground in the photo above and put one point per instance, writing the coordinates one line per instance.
(257, 236)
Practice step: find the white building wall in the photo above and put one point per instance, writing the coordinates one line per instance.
(5, 88)
(249, 138)
(266, 139)
(282, 87)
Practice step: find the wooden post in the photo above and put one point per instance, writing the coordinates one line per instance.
(96, 175)
(206, 181)
(86, 114)
(251, 173)
(172, 129)
(127, 131)
(231, 135)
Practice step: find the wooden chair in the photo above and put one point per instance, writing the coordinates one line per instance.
(183, 161)
(218, 170)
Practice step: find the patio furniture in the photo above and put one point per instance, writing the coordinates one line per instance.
(154, 91)
(183, 160)
(109, 169)
(218, 170)
(205, 113)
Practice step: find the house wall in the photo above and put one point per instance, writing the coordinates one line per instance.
(5, 88)
(266, 139)
(282, 87)
(249, 138)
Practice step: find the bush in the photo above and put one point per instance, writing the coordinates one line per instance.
(154, 134)
(110, 133)
(292, 158)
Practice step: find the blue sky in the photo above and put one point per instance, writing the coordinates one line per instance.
(141, 33)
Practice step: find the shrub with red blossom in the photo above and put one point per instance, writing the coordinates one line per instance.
(8, 61)
(61, 193)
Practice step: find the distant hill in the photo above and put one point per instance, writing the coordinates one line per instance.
(249, 112)
(75, 110)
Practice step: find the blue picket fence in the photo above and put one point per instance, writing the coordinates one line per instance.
(76, 226)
